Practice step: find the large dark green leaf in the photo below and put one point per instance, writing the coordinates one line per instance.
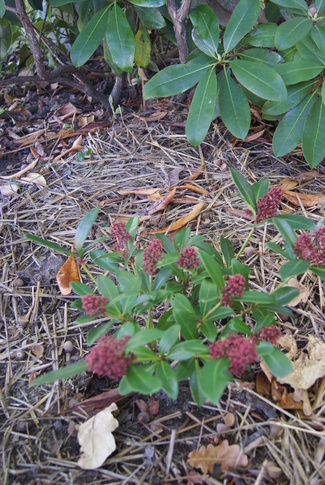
(277, 362)
(259, 79)
(213, 379)
(206, 24)
(241, 21)
(234, 107)
(244, 188)
(296, 93)
(151, 17)
(296, 71)
(213, 269)
(139, 380)
(263, 56)
(2, 10)
(293, 268)
(185, 316)
(63, 373)
(176, 79)
(5, 39)
(310, 51)
(289, 132)
(148, 3)
(84, 228)
(168, 379)
(263, 35)
(294, 4)
(47, 244)
(89, 38)
(313, 134)
(291, 32)
(202, 108)
(120, 39)
(320, 5)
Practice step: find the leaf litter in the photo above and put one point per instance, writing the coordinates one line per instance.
(130, 157)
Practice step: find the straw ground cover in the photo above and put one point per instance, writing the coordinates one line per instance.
(39, 425)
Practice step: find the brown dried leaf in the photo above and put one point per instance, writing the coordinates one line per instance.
(96, 439)
(182, 221)
(21, 172)
(288, 183)
(162, 203)
(35, 178)
(307, 200)
(67, 274)
(85, 120)
(254, 136)
(9, 189)
(303, 292)
(289, 343)
(228, 456)
(152, 407)
(151, 194)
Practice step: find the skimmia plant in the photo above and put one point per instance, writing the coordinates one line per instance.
(181, 310)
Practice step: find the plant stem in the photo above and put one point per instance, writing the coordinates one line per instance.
(245, 243)
(84, 267)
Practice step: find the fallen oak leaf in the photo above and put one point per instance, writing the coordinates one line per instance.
(175, 226)
(227, 456)
(96, 439)
(67, 274)
(307, 200)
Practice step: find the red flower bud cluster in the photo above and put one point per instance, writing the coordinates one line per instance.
(151, 255)
(108, 357)
(268, 205)
(311, 247)
(121, 236)
(94, 305)
(235, 287)
(188, 259)
(241, 352)
(270, 334)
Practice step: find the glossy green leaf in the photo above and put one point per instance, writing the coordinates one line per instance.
(262, 56)
(107, 287)
(234, 107)
(320, 5)
(209, 330)
(297, 222)
(142, 338)
(276, 361)
(285, 229)
(244, 188)
(227, 249)
(213, 379)
(137, 379)
(313, 134)
(293, 268)
(89, 38)
(319, 271)
(241, 21)
(263, 35)
(263, 318)
(296, 93)
(148, 3)
(195, 387)
(2, 12)
(317, 33)
(150, 17)
(207, 297)
(260, 80)
(185, 369)
(80, 288)
(169, 339)
(47, 244)
(235, 325)
(57, 375)
(202, 108)
(168, 379)
(120, 39)
(186, 350)
(142, 48)
(297, 71)
(206, 24)
(277, 249)
(291, 32)
(213, 269)
(260, 188)
(100, 331)
(84, 228)
(256, 297)
(289, 132)
(5, 39)
(185, 316)
(294, 4)
(104, 260)
(176, 79)
(310, 51)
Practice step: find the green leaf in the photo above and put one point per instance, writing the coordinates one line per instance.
(168, 379)
(262, 56)
(47, 244)
(63, 373)
(142, 48)
(104, 260)
(185, 316)
(296, 93)
(213, 379)
(212, 268)
(297, 222)
(244, 188)
(317, 33)
(107, 287)
(142, 338)
(294, 72)
(161, 278)
(2, 11)
(138, 379)
(207, 297)
(234, 107)
(263, 318)
(293, 268)
(241, 21)
(148, 3)
(206, 24)
(320, 5)
(186, 350)
(319, 271)
(285, 229)
(260, 188)
(260, 80)
(195, 387)
(81, 289)
(96, 333)
(89, 38)
(277, 249)
(263, 35)
(277, 362)
(294, 4)
(84, 228)
(256, 297)
(176, 79)
(289, 132)
(310, 51)
(236, 325)
(313, 134)
(291, 32)
(120, 39)
(227, 249)
(202, 108)
(185, 369)
(151, 18)
(5, 39)
(209, 330)
(168, 339)
(285, 294)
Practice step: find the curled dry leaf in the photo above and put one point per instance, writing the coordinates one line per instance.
(307, 200)
(227, 456)
(21, 172)
(182, 221)
(303, 292)
(67, 274)
(34, 178)
(96, 439)
(9, 189)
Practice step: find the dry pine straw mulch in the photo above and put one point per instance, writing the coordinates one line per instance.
(38, 425)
